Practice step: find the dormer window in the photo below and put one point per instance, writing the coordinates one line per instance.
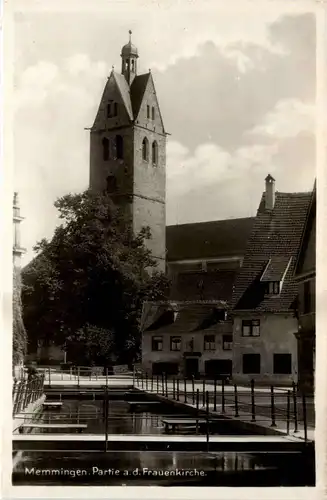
(273, 288)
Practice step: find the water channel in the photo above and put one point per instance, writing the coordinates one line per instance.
(164, 468)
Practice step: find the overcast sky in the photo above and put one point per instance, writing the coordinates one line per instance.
(236, 92)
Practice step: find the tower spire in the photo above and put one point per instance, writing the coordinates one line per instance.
(129, 55)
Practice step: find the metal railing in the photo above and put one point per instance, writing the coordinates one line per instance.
(276, 407)
(80, 374)
(25, 392)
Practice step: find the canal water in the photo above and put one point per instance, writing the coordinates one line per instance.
(147, 467)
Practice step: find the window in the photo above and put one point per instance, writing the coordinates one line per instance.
(307, 302)
(209, 343)
(282, 364)
(109, 110)
(148, 111)
(105, 149)
(175, 343)
(133, 65)
(115, 109)
(251, 363)
(119, 147)
(153, 113)
(273, 288)
(154, 153)
(145, 149)
(111, 183)
(251, 328)
(227, 342)
(157, 343)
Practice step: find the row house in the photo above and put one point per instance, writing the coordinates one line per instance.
(190, 338)
(265, 294)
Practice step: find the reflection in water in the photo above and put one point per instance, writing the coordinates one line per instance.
(234, 469)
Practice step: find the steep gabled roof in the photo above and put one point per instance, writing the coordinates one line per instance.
(124, 92)
(138, 87)
(208, 239)
(308, 239)
(276, 234)
(189, 317)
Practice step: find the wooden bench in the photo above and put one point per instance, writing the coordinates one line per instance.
(142, 403)
(52, 404)
(77, 427)
(173, 423)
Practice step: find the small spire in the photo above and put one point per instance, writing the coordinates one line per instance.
(112, 68)
(130, 36)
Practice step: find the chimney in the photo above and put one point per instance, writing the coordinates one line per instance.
(270, 192)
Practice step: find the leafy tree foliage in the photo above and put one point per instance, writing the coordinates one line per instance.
(93, 271)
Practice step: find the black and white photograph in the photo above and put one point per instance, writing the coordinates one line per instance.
(163, 212)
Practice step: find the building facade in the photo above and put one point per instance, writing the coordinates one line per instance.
(190, 338)
(305, 276)
(265, 293)
(128, 150)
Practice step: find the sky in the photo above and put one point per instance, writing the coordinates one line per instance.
(236, 91)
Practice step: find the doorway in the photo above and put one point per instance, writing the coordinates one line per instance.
(191, 367)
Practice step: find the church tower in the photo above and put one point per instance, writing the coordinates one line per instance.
(128, 150)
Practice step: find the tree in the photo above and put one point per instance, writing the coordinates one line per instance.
(93, 271)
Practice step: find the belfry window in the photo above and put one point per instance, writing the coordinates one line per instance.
(133, 65)
(105, 149)
(145, 149)
(148, 111)
(109, 110)
(154, 153)
(153, 113)
(119, 147)
(115, 109)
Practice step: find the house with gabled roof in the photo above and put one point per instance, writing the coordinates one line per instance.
(187, 338)
(305, 276)
(265, 293)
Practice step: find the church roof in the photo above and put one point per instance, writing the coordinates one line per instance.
(124, 92)
(202, 285)
(137, 92)
(214, 239)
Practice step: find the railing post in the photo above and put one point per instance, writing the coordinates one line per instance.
(273, 413)
(223, 395)
(157, 384)
(252, 402)
(203, 391)
(151, 382)
(207, 412)
(146, 380)
(78, 375)
(304, 411)
(70, 372)
(288, 412)
(166, 377)
(193, 389)
(133, 376)
(107, 418)
(106, 374)
(197, 400)
(203, 398)
(295, 407)
(185, 390)
(215, 395)
(49, 376)
(142, 380)
(236, 400)
(163, 383)
(173, 387)
(177, 389)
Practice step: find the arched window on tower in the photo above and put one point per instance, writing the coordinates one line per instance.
(154, 153)
(153, 113)
(115, 109)
(119, 147)
(133, 65)
(145, 149)
(105, 149)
